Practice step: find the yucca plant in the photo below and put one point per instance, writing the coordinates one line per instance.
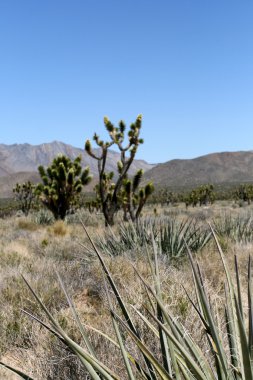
(170, 234)
(181, 357)
(175, 235)
(129, 236)
(239, 229)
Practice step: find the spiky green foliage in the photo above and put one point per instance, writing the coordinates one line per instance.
(202, 195)
(230, 353)
(244, 193)
(113, 195)
(239, 229)
(16, 371)
(170, 234)
(24, 194)
(206, 194)
(63, 180)
(164, 196)
(132, 198)
(175, 234)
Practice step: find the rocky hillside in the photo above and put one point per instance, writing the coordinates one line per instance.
(217, 168)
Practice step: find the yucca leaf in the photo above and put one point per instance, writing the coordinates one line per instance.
(119, 337)
(89, 368)
(46, 326)
(250, 305)
(247, 365)
(107, 337)
(16, 371)
(158, 367)
(76, 317)
(234, 323)
(213, 329)
(84, 356)
(187, 375)
(123, 350)
(173, 336)
(193, 349)
(167, 347)
(198, 312)
(194, 367)
(231, 340)
(239, 293)
(119, 299)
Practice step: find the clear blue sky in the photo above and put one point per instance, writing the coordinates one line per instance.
(186, 65)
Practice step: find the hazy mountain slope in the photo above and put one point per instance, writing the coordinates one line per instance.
(19, 162)
(216, 168)
(26, 158)
(9, 181)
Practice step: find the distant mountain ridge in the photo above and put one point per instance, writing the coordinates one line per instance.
(19, 162)
(26, 158)
(216, 168)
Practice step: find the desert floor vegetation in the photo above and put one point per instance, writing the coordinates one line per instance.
(36, 247)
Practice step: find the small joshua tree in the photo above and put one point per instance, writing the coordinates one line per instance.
(203, 195)
(132, 198)
(25, 195)
(206, 194)
(62, 182)
(110, 194)
(245, 193)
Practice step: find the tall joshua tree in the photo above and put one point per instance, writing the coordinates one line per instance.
(62, 182)
(110, 194)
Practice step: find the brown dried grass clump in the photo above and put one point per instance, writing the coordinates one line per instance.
(59, 228)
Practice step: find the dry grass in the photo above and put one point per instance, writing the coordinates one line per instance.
(59, 228)
(36, 251)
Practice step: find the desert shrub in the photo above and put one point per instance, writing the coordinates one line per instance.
(43, 217)
(89, 219)
(8, 207)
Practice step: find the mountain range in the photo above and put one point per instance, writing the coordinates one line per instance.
(225, 168)
(19, 162)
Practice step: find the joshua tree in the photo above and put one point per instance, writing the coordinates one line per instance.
(25, 195)
(206, 194)
(62, 182)
(110, 194)
(132, 198)
(203, 195)
(245, 193)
